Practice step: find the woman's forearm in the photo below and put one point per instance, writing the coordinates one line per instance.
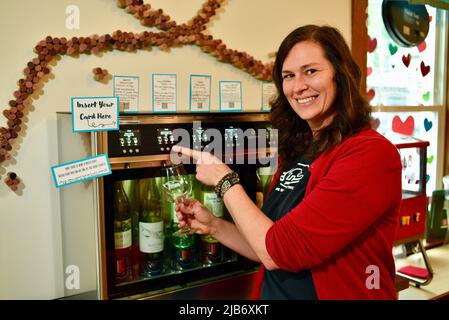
(228, 234)
(252, 223)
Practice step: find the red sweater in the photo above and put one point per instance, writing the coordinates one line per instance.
(344, 228)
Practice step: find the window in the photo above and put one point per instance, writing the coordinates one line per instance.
(405, 86)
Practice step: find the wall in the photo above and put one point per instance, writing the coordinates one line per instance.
(30, 232)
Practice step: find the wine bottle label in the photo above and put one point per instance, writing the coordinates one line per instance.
(151, 236)
(212, 202)
(123, 239)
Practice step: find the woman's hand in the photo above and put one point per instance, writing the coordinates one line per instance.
(192, 212)
(209, 169)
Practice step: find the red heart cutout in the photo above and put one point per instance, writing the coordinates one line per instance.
(372, 44)
(369, 70)
(406, 127)
(424, 69)
(371, 93)
(422, 46)
(375, 123)
(430, 18)
(406, 59)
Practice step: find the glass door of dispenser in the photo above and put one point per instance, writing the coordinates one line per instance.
(143, 256)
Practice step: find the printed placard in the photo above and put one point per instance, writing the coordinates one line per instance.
(95, 114)
(230, 95)
(81, 170)
(199, 93)
(164, 93)
(268, 93)
(127, 89)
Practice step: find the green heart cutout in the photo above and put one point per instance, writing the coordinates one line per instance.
(393, 49)
(426, 96)
(430, 159)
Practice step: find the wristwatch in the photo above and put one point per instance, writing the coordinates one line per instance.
(227, 184)
(228, 176)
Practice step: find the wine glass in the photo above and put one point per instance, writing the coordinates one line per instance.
(178, 187)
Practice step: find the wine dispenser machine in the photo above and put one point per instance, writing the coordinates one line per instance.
(117, 231)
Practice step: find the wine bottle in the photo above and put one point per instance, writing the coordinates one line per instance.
(151, 230)
(211, 248)
(131, 188)
(122, 234)
(264, 177)
(183, 246)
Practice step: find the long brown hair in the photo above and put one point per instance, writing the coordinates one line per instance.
(352, 111)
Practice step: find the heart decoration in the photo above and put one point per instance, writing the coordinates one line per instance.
(393, 49)
(406, 59)
(372, 44)
(426, 96)
(427, 124)
(422, 46)
(371, 93)
(430, 159)
(406, 127)
(430, 18)
(427, 178)
(369, 70)
(424, 69)
(375, 123)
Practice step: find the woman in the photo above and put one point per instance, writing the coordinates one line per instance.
(329, 224)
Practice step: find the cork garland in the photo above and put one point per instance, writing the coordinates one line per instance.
(173, 35)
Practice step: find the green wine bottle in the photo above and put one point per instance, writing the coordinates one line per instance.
(151, 230)
(183, 246)
(131, 188)
(122, 234)
(264, 178)
(211, 249)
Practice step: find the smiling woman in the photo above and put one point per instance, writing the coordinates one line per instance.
(323, 228)
(316, 63)
(308, 84)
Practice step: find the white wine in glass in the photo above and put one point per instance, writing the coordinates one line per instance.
(178, 187)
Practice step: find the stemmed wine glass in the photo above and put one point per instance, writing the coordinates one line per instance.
(178, 187)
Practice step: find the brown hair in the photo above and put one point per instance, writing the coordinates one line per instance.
(352, 111)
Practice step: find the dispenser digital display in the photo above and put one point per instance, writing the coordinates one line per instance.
(130, 138)
(165, 136)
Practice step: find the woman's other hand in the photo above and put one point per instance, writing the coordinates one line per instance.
(192, 212)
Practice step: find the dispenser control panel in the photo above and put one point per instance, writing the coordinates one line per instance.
(155, 139)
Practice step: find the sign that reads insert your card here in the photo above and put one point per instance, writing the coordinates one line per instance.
(95, 113)
(230, 96)
(81, 170)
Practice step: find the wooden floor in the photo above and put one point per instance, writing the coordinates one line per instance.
(438, 288)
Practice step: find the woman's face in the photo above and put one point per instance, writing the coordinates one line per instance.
(308, 84)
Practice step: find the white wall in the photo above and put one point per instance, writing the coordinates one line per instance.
(30, 233)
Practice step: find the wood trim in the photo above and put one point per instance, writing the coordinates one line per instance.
(446, 149)
(359, 35)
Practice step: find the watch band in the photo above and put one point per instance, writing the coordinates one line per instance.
(230, 175)
(227, 184)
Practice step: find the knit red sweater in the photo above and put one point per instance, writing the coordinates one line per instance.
(344, 228)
